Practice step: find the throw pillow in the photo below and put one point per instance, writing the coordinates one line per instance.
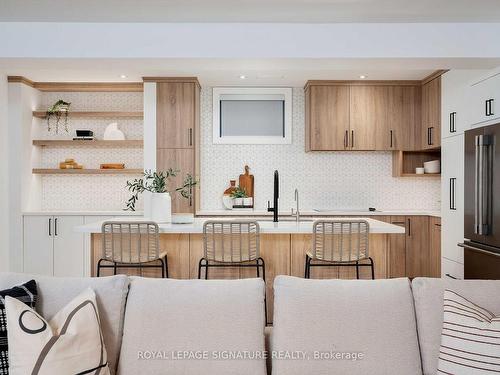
(26, 293)
(71, 343)
(470, 339)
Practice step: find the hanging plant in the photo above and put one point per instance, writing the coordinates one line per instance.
(58, 110)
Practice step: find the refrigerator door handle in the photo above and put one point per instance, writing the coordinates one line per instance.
(482, 185)
(479, 250)
(476, 184)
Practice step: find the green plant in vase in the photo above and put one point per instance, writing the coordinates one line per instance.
(157, 183)
(57, 110)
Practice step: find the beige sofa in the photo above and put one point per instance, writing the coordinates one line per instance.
(155, 326)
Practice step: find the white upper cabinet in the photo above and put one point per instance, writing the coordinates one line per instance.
(452, 197)
(457, 103)
(485, 100)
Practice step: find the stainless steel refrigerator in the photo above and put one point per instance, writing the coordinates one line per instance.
(482, 203)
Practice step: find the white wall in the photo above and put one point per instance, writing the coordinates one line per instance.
(4, 176)
(325, 179)
(230, 40)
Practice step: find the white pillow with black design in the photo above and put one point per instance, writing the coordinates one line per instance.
(26, 293)
(71, 343)
(470, 339)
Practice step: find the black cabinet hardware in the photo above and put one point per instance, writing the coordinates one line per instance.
(346, 141)
(55, 226)
(451, 277)
(453, 182)
(190, 136)
(453, 118)
(430, 141)
(409, 227)
(489, 107)
(391, 139)
(50, 227)
(352, 138)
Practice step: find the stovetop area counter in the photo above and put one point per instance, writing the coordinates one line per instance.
(266, 226)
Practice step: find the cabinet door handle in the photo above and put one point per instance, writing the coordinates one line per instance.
(391, 138)
(190, 136)
(352, 138)
(55, 226)
(409, 227)
(190, 197)
(453, 193)
(489, 107)
(430, 141)
(346, 141)
(50, 227)
(451, 277)
(453, 128)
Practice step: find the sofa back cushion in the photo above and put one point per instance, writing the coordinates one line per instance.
(56, 292)
(187, 326)
(344, 327)
(428, 295)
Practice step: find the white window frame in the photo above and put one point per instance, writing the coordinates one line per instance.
(261, 93)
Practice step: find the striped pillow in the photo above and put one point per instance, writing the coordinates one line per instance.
(470, 340)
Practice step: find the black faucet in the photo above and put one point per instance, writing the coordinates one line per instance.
(274, 209)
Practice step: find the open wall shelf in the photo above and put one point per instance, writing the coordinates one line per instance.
(405, 162)
(95, 143)
(86, 114)
(87, 171)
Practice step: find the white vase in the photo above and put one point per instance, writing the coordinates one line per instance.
(161, 207)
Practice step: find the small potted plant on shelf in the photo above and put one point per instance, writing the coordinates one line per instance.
(238, 196)
(161, 201)
(57, 110)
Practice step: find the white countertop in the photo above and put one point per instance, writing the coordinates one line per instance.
(83, 213)
(310, 212)
(266, 226)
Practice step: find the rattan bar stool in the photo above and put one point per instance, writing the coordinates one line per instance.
(339, 243)
(131, 244)
(232, 243)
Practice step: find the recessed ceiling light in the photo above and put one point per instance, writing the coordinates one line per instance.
(362, 76)
(123, 76)
(243, 77)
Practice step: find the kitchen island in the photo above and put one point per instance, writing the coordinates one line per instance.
(283, 246)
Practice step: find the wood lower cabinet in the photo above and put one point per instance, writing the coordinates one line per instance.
(417, 246)
(182, 160)
(327, 118)
(397, 250)
(435, 247)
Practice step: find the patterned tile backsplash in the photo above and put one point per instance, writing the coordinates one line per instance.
(324, 179)
(93, 192)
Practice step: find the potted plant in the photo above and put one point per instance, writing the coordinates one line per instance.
(156, 184)
(238, 195)
(57, 110)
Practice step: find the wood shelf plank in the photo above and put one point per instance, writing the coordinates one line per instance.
(86, 171)
(94, 143)
(421, 175)
(98, 114)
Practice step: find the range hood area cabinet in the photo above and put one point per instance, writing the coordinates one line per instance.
(177, 132)
(370, 116)
(431, 114)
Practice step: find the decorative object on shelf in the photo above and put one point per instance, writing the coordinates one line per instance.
(419, 170)
(84, 135)
(156, 184)
(113, 166)
(227, 199)
(112, 133)
(58, 109)
(70, 164)
(433, 166)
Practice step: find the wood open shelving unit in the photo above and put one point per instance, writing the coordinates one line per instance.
(405, 162)
(94, 143)
(96, 114)
(86, 171)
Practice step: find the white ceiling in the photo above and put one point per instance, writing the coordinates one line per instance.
(313, 11)
(278, 72)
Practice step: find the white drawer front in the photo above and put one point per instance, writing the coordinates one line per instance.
(452, 269)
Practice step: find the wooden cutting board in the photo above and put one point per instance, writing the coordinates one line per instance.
(246, 181)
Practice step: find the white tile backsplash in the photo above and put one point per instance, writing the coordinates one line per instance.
(345, 179)
(92, 192)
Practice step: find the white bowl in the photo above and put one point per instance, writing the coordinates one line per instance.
(433, 166)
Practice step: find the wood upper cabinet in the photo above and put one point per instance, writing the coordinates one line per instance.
(182, 160)
(175, 114)
(367, 116)
(327, 118)
(375, 116)
(431, 114)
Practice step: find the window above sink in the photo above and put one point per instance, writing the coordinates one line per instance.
(252, 115)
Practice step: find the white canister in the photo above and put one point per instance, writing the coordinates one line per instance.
(238, 201)
(248, 201)
(161, 207)
(419, 170)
